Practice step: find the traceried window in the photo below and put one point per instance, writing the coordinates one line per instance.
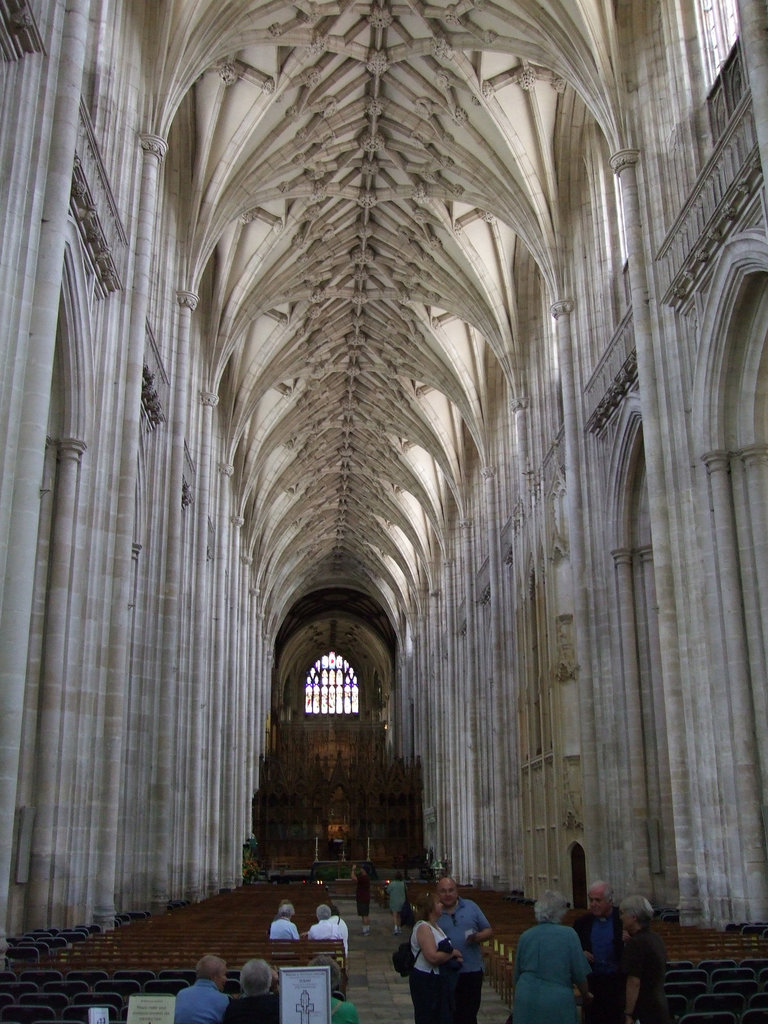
(331, 687)
(718, 31)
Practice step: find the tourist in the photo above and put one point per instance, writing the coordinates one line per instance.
(549, 963)
(467, 927)
(431, 987)
(643, 963)
(205, 1001)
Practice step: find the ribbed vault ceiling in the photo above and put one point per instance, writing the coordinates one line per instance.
(366, 179)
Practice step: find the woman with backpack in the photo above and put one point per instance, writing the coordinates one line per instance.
(431, 989)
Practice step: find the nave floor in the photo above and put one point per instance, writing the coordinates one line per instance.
(379, 993)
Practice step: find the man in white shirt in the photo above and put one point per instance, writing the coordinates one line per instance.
(325, 928)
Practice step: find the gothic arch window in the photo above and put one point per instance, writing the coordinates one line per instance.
(719, 29)
(331, 687)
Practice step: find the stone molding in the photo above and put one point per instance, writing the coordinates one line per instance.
(94, 208)
(19, 34)
(718, 205)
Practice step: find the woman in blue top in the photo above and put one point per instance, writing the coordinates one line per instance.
(549, 964)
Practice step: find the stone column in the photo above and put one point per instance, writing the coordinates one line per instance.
(588, 706)
(753, 17)
(502, 799)
(21, 540)
(755, 476)
(247, 689)
(624, 164)
(108, 801)
(219, 691)
(734, 712)
(519, 408)
(198, 690)
(449, 826)
(632, 763)
(54, 769)
(232, 791)
(168, 699)
(467, 765)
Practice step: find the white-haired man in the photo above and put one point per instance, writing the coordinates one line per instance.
(602, 939)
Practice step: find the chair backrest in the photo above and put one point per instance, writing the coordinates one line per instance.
(6, 999)
(712, 965)
(758, 1001)
(56, 1000)
(746, 986)
(79, 1014)
(688, 989)
(722, 1017)
(40, 975)
(734, 1002)
(686, 974)
(98, 999)
(69, 987)
(679, 965)
(23, 952)
(732, 974)
(17, 988)
(27, 1013)
(124, 986)
(90, 976)
(165, 986)
(757, 963)
(189, 975)
(140, 974)
(755, 1016)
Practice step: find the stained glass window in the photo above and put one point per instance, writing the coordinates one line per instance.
(331, 687)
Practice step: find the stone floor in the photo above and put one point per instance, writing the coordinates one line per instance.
(378, 992)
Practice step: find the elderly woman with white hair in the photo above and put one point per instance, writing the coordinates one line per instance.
(643, 963)
(548, 965)
(283, 927)
(257, 1002)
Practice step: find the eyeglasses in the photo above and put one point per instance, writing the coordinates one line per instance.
(453, 918)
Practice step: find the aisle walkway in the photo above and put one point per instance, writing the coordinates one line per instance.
(378, 992)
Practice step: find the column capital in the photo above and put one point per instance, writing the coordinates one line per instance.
(563, 307)
(71, 446)
(187, 300)
(754, 453)
(236, 520)
(465, 524)
(716, 461)
(226, 469)
(622, 556)
(209, 399)
(246, 560)
(153, 145)
(623, 159)
(488, 473)
(518, 404)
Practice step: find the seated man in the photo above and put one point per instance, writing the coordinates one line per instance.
(325, 928)
(341, 924)
(342, 1011)
(204, 1002)
(283, 927)
(257, 1004)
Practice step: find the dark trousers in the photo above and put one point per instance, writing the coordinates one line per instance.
(431, 998)
(468, 994)
(608, 1005)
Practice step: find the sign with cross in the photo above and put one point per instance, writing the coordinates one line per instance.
(305, 995)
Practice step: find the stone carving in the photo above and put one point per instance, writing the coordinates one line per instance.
(566, 655)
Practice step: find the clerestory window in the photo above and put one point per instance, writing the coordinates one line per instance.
(331, 687)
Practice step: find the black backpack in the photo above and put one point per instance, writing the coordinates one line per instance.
(403, 959)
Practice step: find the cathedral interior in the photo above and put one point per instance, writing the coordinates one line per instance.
(385, 459)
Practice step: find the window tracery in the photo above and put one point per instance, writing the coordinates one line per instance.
(331, 687)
